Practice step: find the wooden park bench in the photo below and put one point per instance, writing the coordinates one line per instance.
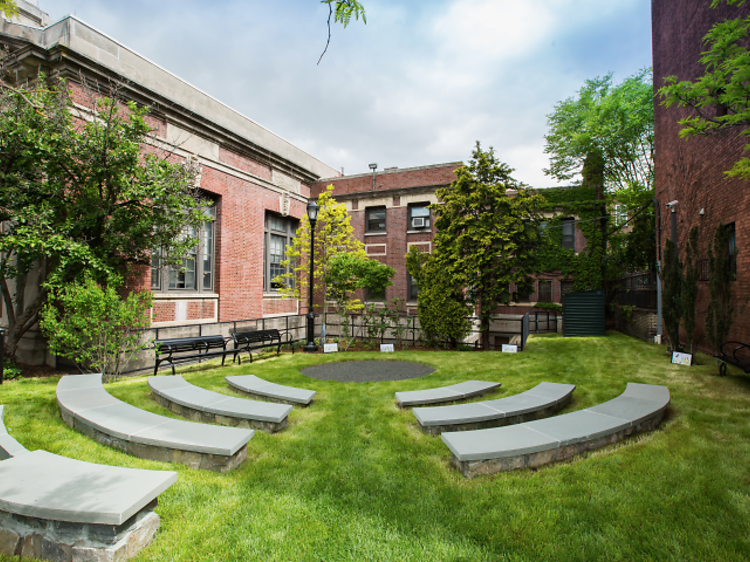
(734, 353)
(86, 406)
(259, 339)
(485, 451)
(181, 350)
(57, 508)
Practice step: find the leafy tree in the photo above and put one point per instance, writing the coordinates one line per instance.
(442, 309)
(342, 12)
(8, 8)
(333, 235)
(672, 294)
(720, 313)
(721, 97)
(606, 133)
(78, 195)
(486, 236)
(690, 286)
(608, 125)
(94, 326)
(350, 272)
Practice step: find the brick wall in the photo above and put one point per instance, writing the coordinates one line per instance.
(691, 171)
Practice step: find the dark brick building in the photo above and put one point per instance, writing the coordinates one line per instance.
(691, 171)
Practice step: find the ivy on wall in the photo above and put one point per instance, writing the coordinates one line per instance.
(580, 203)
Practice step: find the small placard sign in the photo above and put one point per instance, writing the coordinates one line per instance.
(386, 348)
(682, 358)
(330, 348)
(510, 348)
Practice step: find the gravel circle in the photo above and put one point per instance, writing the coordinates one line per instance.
(367, 371)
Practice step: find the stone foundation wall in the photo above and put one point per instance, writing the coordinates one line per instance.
(540, 458)
(641, 324)
(61, 541)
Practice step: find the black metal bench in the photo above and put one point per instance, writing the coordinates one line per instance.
(180, 350)
(259, 339)
(734, 353)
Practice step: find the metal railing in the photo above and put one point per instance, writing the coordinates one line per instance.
(360, 329)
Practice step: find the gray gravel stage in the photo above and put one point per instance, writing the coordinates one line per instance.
(367, 371)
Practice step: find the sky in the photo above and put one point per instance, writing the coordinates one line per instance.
(419, 84)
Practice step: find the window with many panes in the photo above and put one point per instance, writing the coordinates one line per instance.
(196, 273)
(419, 217)
(374, 219)
(278, 233)
(544, 291)
(569, 234)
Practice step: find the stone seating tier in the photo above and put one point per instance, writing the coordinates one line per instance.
(56, 508)
(201, 405)
(542, 401)
(484, 451)
(259, 388)
(87, 407)
(460, 391)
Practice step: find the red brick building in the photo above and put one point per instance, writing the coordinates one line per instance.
(691, 172)
(258, 183)
(389, 214)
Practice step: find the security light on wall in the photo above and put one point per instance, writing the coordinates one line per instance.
(671, 204)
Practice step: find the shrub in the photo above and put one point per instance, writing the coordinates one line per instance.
(96, 327)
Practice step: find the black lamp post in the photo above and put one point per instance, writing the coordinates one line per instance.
(312, 214)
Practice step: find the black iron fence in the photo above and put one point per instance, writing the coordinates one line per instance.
(634, 289)
(399, 330)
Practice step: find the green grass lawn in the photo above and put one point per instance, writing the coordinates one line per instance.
(353, 477)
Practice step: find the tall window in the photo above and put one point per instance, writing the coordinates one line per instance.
(419, 217)
(412, 289)
(375, 219)
(279, 232)
(544, 292)
(569, 234)
(565, 288)
(197, 270)
(732, 247)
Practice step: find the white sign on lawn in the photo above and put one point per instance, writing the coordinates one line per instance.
(330, 348)
(387, 348)
(510, 348)
(682, 358)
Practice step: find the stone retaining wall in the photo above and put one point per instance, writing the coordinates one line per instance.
(60, 541)
(193, 459)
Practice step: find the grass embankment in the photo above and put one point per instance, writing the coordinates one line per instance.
(353, 478)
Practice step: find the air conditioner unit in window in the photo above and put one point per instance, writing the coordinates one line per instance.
(420, 222)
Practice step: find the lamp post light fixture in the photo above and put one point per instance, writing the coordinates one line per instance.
(312, 214)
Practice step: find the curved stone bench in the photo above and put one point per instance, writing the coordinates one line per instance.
(257, 387)
(87, 407)
(460, 391)
(542, 401)
(56, 508)
(199, 404)
(531, 444)
(9, 447)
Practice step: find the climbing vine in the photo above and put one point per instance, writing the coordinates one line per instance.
(580, 203)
